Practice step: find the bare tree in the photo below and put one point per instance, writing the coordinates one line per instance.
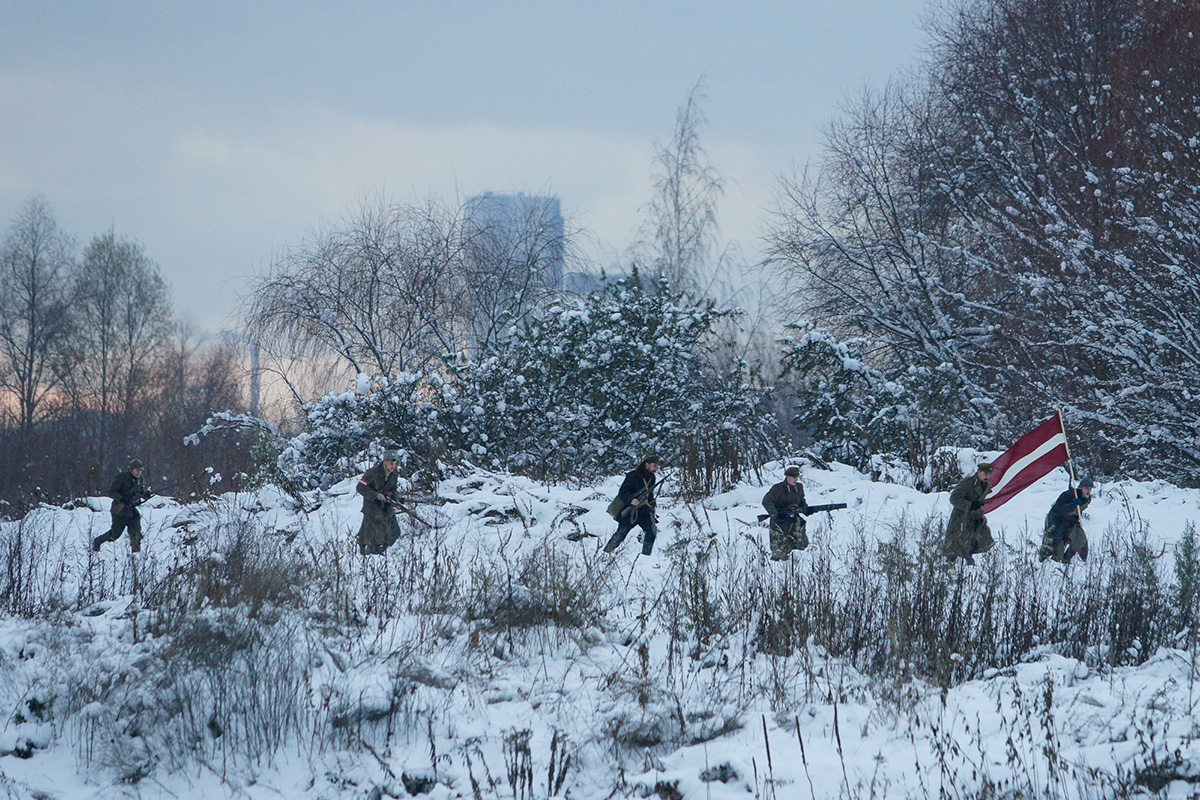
(124, 320)
(35, 264)
(515, 248)
(381, 292)
(681, 226)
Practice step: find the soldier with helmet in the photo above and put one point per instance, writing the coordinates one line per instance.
(786, 507)
(127, 492)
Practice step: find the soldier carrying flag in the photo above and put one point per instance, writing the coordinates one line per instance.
(1064, 537)
(1035, 455)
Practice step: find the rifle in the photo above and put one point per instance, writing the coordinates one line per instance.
(790, 512)
(137, 500)
(643, 494)
(393, 503)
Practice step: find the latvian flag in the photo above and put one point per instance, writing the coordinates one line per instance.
(1034, 456)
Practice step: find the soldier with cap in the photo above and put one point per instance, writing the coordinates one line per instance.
(635, 505)
(967, 531)
(379, 529)
(127, 492)
(785, 504)
(1063, 537)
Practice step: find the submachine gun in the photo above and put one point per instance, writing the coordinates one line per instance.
(794, 510)
(135, 500)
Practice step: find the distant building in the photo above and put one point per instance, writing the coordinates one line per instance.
(517, 231)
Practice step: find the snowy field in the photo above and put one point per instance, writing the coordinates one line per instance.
(497, 652)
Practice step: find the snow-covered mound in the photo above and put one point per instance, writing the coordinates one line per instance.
(495, 651)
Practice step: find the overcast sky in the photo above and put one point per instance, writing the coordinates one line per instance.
(218, 133)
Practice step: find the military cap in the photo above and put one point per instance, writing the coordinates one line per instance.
(1086, 483)
(985, 466)
(391, 455)
(650, 458)
(792, 472)
(136, 464)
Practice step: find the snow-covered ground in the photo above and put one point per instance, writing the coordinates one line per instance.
(496, 652)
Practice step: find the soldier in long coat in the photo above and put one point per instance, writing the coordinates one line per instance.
(967, 531)
(127, 492)
(1064, 537)
(635, 505)
(379, 530)
(785, 503)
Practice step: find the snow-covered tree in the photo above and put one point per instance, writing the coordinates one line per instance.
(855, 412)
(346, 432)
(1022, 214)
(592, 383)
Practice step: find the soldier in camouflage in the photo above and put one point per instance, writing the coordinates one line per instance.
(127, 492)
(1063, 537)
(785, 504)
(967, 531)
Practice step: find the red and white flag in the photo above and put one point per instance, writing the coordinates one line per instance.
(1035, 455)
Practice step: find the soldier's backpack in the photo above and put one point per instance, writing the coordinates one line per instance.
(615, 508)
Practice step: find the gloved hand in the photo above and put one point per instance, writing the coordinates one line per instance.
(976, 505)
(1078, 501)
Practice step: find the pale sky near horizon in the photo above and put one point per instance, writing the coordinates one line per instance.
(219, 133)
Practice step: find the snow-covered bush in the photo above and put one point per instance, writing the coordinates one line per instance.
(593, 382)
(345, 433)
(583, 388)
(856, 409)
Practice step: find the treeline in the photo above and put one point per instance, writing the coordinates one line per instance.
(96, 368)
(1011, 228)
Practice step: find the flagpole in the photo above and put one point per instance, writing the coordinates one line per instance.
(1070, 466)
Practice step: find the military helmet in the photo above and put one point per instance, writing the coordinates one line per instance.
(136, 464)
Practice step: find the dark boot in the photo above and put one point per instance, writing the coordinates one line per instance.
(648, 540)
(617, 538)
(111, 535)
